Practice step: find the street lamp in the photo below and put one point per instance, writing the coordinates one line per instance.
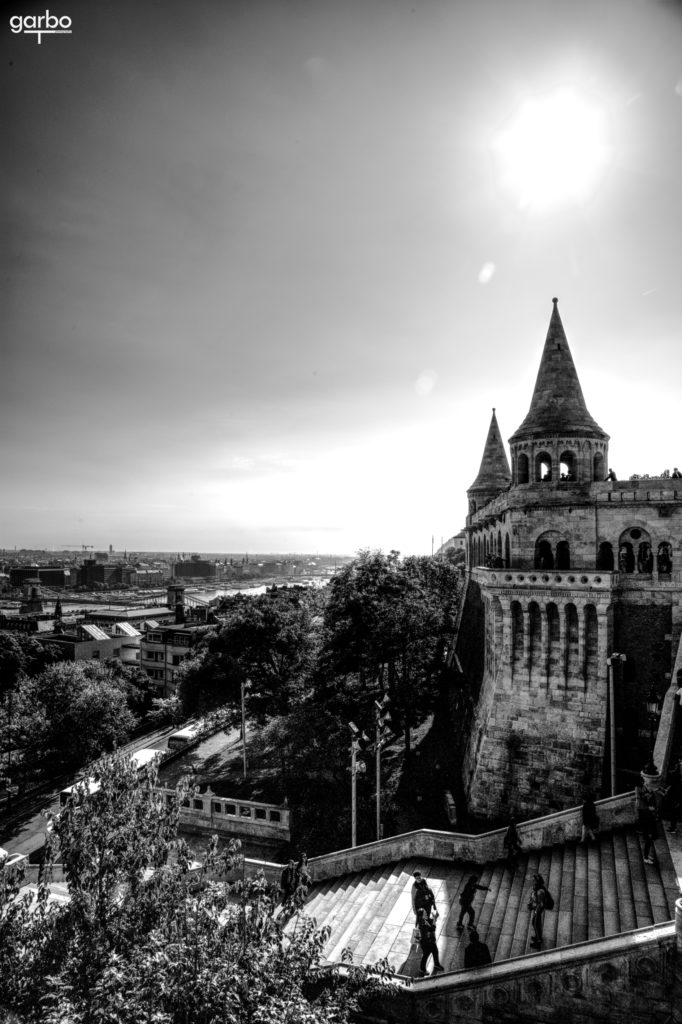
(653, 702)
(615, 658)
(357, 738)
(381, 712)
(246, 685)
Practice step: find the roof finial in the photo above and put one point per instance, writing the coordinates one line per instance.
(555, 300)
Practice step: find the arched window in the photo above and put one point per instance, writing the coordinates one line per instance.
(634, 551)
(664, 559)
(605, 557)
(626, 557)
(544, 556)
(522, 470)
(563, 555)
(598, 467)
(567, 465)
(645, 558)
(543, 466)
(507, 552)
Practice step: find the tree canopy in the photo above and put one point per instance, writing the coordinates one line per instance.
(145, 938)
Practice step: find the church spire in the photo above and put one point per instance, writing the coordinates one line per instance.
(557, 405)
(494, 474)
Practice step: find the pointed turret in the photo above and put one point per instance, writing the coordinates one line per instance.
(557, 405)
(494, 474)
(558, 442)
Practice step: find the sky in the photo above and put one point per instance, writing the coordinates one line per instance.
(268, 265)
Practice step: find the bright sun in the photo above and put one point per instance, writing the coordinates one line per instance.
(554, 151)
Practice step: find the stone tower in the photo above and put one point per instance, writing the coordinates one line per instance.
(569, 566)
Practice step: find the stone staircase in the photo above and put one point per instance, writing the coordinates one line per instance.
(599, 889)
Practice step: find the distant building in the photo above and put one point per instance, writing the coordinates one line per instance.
(195, 568)
(164, 648)
(54, 577)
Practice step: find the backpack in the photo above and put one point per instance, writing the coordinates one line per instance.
(549, 900)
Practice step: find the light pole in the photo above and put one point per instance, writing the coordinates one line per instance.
(246, 685)
(615, 658)
(356, 737)
(380, 716)
(653, 702)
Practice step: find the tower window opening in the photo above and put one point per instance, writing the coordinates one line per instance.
(598, 467)
(567, 466)
(563, 555)
(543, 467)
(626, 557)
(522, 469)
(544, 556)
(664, 559)
(605, 557)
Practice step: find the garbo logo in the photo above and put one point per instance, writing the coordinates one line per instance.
(41, 25)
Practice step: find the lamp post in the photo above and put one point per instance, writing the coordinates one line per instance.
(355, 767)
(380, 716)
(653, 702)
(246, 685)
(614, 659)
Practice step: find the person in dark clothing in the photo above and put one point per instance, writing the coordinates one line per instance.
(466, 899)
(288, 881)
(650, 831)
(427, 941)
(477, 953)
(423, 899)
(672, 801)
(590, 820)
(512, 843)
(536, 905)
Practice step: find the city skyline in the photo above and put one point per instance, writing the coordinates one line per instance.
(269, 266)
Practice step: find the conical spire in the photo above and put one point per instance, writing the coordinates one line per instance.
(557, 405)
(494, 475)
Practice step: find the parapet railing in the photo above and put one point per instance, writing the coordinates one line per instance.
(562, 826)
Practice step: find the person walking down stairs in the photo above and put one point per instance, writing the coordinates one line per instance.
(536, 905)
(466, 900)
(590, 820)
(427, 941)
(512, 844)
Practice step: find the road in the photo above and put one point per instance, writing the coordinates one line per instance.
(24, 831)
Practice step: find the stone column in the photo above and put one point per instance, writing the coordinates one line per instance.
(582, 654)
(526, 641)
(506, 654)
(563, 643)
(544, 649)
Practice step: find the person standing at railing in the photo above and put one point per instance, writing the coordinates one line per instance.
(512, 843)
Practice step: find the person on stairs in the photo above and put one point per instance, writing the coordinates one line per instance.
(590, 820)
(427, 941)
(477, 953)
(672, 801)
(423, 899)
(512, 844)
(466, 900)
(649, 830)
(536, 905)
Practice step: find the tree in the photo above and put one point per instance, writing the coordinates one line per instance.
(71, 713)
(269, 640)
(388, 624)
(145, 939)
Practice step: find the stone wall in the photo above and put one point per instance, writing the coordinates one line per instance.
(624, 979)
